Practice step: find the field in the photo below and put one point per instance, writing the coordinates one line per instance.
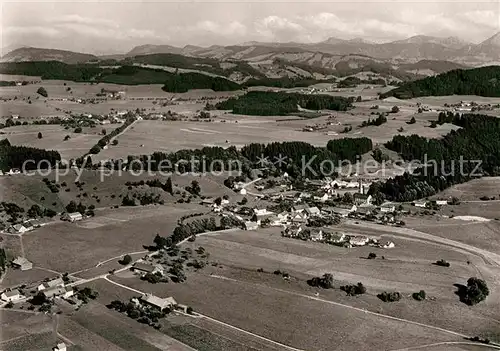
(53, 138)
(77, 246)
(473, 190)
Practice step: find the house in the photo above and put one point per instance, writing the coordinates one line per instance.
(312, 211)
(18, 228)
(22, 263)
(143, 268)
(53, 292)
(54, 283)
(68, 292)
(366, 210)
(259, 218)
(441, 202)
(243, 191)
(251, 225)
(419, 203)
(32, 223)
(158, 302)
(358, 240)
(207, 201)
(298, 217)
(261, 211)
(322, 198)
(362, 199)
(387, 207)
(72, 217)
(316, 235)
(299, 208)
(13, 171)
(60, 347)
(388, 245)
(11, 296)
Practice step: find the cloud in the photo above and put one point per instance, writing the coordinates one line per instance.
(277, 28)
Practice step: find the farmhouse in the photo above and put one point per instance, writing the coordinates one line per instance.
(419, 203)
(72, 217)
(312, 211)
(58, 282)
(316, 235)
(22, 263)
(60, 347)
(18, 228)
(251, 225)
(158, 302)
(143, 268)
(387, 207)
(362, 199)
(366, 210)
(441, 202)
(53, 292)
(358, 240)
(298, 217)
(11, 296)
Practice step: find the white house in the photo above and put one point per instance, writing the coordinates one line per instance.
(11, 296)
(312, 211)
(323, 198)
(419, 203)
(251, 225)
(60, 347)
(72, 217)
(362, 199)
(387, 207)
(441, 202)
(22, 263)
(53, 292)
(143, 268)
(389, 245)
(243, 191)
(54, 283)
(317, 235)
(358, 240)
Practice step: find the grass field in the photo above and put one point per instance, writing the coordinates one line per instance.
(69, 247)
(53, 138)
(279, 315)
(473, 190)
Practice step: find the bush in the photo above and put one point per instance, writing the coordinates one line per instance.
(126, 260)
(442, 263)
(78, 130)
(475, 291)
(40, 135)
(419, 296)
(389, 296)
(42, 92)
(325, 282)
(353, 290)
(372, 255)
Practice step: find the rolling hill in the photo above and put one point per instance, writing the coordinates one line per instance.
(483, 81)
(39, 54)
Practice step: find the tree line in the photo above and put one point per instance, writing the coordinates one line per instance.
(483, 81)
(476, 143)
(15, 157)
(263, 103)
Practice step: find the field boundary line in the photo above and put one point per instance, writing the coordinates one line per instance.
(449, 343)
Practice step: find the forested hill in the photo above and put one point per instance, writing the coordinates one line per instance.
(477, 142)
(16, 156)
(483, 81)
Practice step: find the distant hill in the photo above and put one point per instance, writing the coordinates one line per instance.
(483, 81)
(153, 49)
(39, 54)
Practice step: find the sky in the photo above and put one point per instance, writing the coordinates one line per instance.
(106, 27)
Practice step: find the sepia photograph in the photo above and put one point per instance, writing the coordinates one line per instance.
(249, 175)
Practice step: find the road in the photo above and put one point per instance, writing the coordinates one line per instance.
(490, 346)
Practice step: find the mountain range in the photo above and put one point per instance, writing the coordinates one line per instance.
(404, 59)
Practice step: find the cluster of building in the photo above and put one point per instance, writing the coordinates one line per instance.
(54, 288)
(25, 226)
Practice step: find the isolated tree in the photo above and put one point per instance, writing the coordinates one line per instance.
(40, 135)
(71, 207)
(126, 260)
(114, 142)
(103, 132)
(395, 109)
(42, 92)
(78, 129)
(67, 137)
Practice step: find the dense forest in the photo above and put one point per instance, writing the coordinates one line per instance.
(52, 70)
(349, 148)
(477, 141)
(262, 103)
(181, 83)
(15, 157)
(483, 81)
